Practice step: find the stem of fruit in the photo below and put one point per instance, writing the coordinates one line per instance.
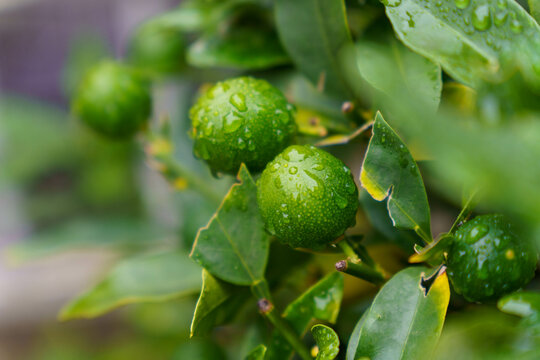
(361, 271)
(268, 310)
(354, 265)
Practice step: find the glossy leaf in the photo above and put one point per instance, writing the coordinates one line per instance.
(472, 40)
(534, 6)
(355, 337)
(403, 322)
(313, 32)
(87, 233)
(238, 48)
(219, 302)
(257, 353)
(389, 172)
(234, 246)
(327, 342)
(524, 303)
(394, 70)
(148, 278)
(321, 302)
(377, 213)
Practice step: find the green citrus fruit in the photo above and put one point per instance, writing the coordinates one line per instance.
(488, 259)
(113, 99)
(241, 120)
(157, 48)
(307, 197)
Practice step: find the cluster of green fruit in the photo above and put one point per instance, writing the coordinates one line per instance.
(306, 196)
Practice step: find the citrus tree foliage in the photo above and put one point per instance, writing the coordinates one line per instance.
(395, 110)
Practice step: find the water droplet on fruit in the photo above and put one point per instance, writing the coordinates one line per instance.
(341, 202)
(241, 144)
(286, 219)
(478, 232)
(238, 100)
(462, 4)
(516, 26)
(293, 170)
(208, 129)
(231, 123)
(319, 187)
(274, 167)
(318, 167)
(391, 3)
(350, 188)
(277, 182)
(481, 18)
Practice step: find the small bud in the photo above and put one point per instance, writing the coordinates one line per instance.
(347, 107)
(265, 306)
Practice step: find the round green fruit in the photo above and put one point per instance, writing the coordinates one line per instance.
(487, 259)
(307, 197)
(157, 48)
(114, 100)
(241, 120)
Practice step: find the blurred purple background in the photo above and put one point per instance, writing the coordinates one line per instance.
(35, 36)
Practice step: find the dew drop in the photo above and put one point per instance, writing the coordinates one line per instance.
(275, 167)
(231, 123)
(481, 19)
(391, 3)
(208, 129)
(241, 144)
(462, 4)
(286, 219)
(238, 100)
(350, 188)
(277, 182)
(478, 232)
(341, 202)
(318, 167)
(516, 26)
(293, 170)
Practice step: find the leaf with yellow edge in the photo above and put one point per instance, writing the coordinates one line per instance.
(390, 172)
(405, 319)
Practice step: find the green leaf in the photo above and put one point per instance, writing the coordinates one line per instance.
(355, 337)
(327, 341)
(403, 322)
(321, 302)
(472, 40)
(377, 213)
(257, 353)
(523, 303)
(390, 172)
(148, 278)
(534, 6)
(87, 233)
(234, 246)
(218, 303)
(394, 70)
(313, 32)
(244, 47)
